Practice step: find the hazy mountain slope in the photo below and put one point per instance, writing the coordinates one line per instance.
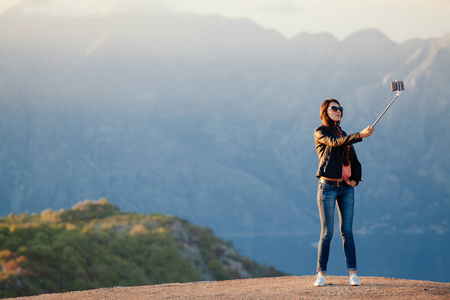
(211, 119)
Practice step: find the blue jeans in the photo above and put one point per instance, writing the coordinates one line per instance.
(327, 197)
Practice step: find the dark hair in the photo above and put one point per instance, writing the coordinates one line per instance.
(326, 121)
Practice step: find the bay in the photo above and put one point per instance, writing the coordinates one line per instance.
(406, 256)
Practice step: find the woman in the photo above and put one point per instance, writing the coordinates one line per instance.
(339, 172)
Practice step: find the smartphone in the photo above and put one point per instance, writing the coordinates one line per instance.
(397, 86)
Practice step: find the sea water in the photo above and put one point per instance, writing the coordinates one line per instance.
(409, 256)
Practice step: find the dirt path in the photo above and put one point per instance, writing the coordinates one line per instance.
(289, 287)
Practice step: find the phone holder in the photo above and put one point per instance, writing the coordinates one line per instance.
(396, 86)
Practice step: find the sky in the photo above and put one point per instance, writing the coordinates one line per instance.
(400, 20)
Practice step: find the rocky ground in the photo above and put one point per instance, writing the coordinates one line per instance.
(289, 287)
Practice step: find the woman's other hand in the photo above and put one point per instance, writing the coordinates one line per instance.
(366, 132)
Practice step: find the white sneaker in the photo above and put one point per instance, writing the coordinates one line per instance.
(354, 280)
(320, 281)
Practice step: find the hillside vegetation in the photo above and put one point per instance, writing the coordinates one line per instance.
(95, 245)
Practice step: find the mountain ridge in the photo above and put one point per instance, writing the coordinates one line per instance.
(235, 107)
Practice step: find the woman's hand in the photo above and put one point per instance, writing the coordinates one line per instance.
(353, 183)
(366, 132)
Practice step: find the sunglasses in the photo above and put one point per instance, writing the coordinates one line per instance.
(336, 108)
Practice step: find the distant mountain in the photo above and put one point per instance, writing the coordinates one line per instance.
(95, 245)
(211, 119)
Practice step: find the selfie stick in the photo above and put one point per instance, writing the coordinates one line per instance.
(396, 86)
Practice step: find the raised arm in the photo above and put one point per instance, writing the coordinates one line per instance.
(325, 136)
